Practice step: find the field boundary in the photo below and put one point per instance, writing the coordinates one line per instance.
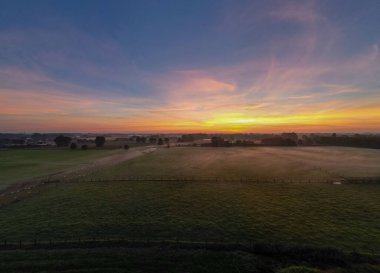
(348, 180)
(17, 192)
(261, 248)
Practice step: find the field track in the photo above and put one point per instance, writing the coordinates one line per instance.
(17, 190)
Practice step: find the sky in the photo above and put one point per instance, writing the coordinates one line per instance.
(178, 66)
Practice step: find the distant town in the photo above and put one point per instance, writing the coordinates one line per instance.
(85, 141)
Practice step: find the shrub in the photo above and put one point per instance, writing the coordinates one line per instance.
(62, 141)
(100, 141)
(84, 147)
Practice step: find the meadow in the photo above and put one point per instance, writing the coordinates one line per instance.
(173, 259)
(118, 260)
(343, 216)
(265, 163)
(25, 164)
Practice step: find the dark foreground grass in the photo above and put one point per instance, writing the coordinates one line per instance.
(121, 260)
(167, 259)
(342, 216)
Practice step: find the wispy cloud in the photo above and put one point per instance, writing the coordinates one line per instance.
(282, 70)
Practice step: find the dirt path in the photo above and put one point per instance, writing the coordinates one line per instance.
(101, 163)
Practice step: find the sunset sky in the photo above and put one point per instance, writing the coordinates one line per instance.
(190, 66)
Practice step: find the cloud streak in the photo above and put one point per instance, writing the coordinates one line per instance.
(282, 67)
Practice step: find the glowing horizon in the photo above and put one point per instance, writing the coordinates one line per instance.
(180, 67)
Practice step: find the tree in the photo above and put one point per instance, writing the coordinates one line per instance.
(73, 146)
(100, 141)
(160, 142)
(214, 141)
(126, 146)
(62, 141)
(217, 141)
(84, 147)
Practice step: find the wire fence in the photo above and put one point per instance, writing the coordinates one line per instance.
(258, 247)
(284, 180)
(58, 179)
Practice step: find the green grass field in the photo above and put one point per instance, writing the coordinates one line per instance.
(168, 260)
(343, 216)
(263, 162)
(123, 260)
(19, 165)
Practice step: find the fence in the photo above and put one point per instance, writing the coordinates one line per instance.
(88, 179)
(285, 180)
(262, 248)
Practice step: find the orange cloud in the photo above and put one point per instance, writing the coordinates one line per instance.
(193, 83)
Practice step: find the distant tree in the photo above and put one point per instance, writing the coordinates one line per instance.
(160, 141)
(288, 142)
(143, 139)
(84, 147)
(152, 140)
(18, 141)
(166, 140)
(214, 141)
(62, 141)
(292, 136)
(138, 139)
(100, 141)
(306, 140)
(73, 146)
(126, 146)
(217, 141)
